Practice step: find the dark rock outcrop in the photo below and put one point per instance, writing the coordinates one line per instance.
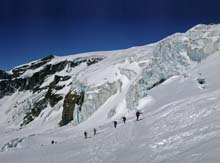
(19, 70)
(52, 98)
(34, 111)
(4, 75)
(34, 82)
(91, 61)
(71, 99)
(6, 88)
(48, 58)
(55, 98)
(88, 60)
(157, 83)
(68, 108)
(11, 83)
(34, 65)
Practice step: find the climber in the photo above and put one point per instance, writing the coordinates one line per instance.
(115, 123)
(53, 142)
(124, 119)
(85, 134)
(138, 112)
(94, 130)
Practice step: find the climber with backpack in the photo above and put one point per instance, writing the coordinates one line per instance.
(115, 123)
(94, 131)
(124, 119)
(138, 113)
(85, 134)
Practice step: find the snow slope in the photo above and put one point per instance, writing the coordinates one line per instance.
(181, 114)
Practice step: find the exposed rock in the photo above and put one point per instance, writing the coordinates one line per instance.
(68, 108)
(160, 81)
(52, 98)
(7, 87)
(91, 61)
(60, 78)
(48, 58)
(13, 82)
(4, 75)
(88, 60)
(71, 99)
(34, 111)
(34, 82)
(34, 65)
(19, 70)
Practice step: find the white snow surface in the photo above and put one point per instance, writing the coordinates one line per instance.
(180, 120)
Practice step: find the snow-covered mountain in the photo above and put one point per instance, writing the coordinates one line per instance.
(175, 82)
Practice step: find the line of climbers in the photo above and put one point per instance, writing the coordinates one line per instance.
(138, 113)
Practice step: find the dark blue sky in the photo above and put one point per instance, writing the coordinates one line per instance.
(31, 29)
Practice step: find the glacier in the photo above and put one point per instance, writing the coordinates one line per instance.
(174, 82)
